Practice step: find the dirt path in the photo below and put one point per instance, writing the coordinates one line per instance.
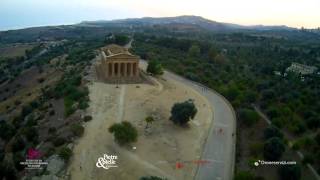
(121, 102)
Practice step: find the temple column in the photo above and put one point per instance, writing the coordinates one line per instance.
(119, 69)
(135, 69)
(125, 70)
(132, 69)
(112, 69)
(106, 70)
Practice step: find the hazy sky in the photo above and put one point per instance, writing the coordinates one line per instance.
(26, 13)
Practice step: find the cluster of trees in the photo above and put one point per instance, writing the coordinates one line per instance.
(70, 90)
(23, 130)
(120, 39)
(34, 51)
(245, 73)
(17, 135)
(154, 68)
(241, 67)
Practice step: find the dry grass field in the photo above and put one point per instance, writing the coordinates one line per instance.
(15, 50)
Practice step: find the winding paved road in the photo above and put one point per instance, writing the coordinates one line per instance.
(219, 148)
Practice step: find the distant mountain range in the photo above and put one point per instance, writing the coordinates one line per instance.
(196, 21)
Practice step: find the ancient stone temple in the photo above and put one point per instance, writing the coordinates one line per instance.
(117, 65)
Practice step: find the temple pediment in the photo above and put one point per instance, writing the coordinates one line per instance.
(122, 56)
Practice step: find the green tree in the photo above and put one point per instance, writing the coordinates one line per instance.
(273, 149)
(308, 158)
(154, 67)
(213, 52)
(290, 172)
(31, 134)
(7, 170)
(194, 51)
(77, 129)
(232, 92)
(181, 113)
(248, 116)
(65, 153)
(317, 138)
(220, 58)
(121, 39)
(18, 144)
(124, 132)
(272, 131)
(6, 130)
(244, 175)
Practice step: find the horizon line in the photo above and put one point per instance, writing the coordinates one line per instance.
(141, 17)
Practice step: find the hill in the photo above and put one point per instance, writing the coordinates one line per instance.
(192, 20)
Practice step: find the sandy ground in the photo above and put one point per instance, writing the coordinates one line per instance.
(158, 148)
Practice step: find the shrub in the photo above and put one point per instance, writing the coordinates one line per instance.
(68, 107)
(87, 118)
(65, 153)
(31, 134)
(244, 175)
(149, 119)
(18, 144)
(52, 112)
(77, 129)
(181, 113)
(308, 159)
(124, 132)
(256, 149)
(297, 127)
(273, 149)
(17, 102)
(31, 121)
(52, 130)
(17, 158)
(7, 170)
(317, 138)
(313, 122)
(59, 141)
(40, 80)
(83, 104)
(248, 116)
(6, 130)
(232, 93)
(290, 172)
(26, 110)
(34, 104)
(272, 131)
(151, 178)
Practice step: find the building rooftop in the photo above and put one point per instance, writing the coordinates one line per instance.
(113, 49)
(302, 69)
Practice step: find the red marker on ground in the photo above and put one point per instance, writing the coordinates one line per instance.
(179, 165)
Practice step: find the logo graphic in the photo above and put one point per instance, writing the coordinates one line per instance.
(33, 160)
(33, 154)
(107, 161)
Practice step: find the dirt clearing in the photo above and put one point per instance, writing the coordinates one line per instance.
(158, 149)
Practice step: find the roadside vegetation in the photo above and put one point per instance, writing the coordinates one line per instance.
(154, 68)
